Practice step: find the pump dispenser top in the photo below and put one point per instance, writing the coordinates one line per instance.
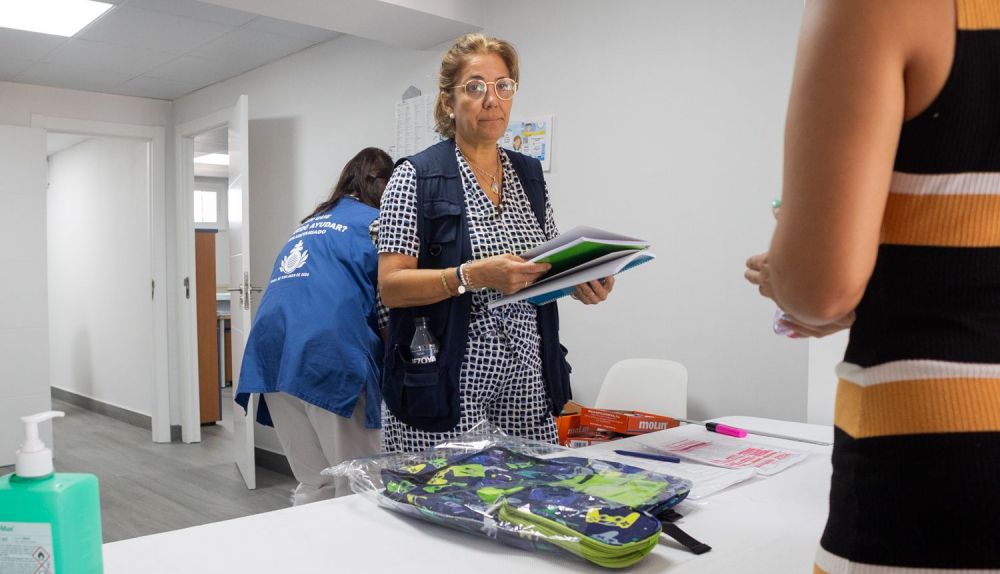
(34, 459)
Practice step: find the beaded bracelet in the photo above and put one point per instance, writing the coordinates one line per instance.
(464, 276)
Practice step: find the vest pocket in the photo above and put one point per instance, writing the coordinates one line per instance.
(443, 218)
(422, 392)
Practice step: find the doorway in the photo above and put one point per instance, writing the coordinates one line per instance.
(236, 123)
(214, 318)
(107, 268)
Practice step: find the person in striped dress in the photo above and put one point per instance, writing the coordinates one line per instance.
(891, 210)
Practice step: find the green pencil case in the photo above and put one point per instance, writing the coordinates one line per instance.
(609, 535)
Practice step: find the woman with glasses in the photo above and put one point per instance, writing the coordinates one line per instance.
(454, 217)
(315, 348)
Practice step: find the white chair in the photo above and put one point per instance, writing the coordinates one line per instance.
(655, 386)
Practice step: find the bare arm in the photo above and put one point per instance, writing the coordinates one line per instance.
(845, 113)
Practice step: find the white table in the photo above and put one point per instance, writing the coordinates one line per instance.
(765, 525)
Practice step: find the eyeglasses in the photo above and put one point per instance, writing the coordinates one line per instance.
(504, 88)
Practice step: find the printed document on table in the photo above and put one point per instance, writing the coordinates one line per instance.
(705, 447)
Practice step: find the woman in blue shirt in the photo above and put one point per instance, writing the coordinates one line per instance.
(315, 350)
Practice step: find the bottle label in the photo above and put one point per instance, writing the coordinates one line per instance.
(424, 360)
(26, 547)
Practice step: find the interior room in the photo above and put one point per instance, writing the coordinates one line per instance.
(156, 157)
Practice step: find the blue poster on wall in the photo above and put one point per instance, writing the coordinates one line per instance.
(530, 136)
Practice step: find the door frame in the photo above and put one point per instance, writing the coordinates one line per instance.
(155, 138)
(187, 316)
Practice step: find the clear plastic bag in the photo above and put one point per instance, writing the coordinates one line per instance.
(526, 494)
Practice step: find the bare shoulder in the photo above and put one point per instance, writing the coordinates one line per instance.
(931, 30)
(917, 38)
(894, 18)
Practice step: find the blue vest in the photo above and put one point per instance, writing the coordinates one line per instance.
(315, 335)
(426, 396)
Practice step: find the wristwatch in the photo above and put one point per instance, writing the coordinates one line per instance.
(461, 286)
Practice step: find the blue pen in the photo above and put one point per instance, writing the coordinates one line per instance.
(660, 457)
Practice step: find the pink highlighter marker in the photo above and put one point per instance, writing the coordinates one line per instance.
(718, 428)
(742, 433)
(726, 430)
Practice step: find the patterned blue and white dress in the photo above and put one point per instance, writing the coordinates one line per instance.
(501, 375)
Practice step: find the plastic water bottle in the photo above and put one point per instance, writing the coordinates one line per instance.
(423, 347)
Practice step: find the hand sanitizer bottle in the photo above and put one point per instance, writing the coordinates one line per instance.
(49, 522)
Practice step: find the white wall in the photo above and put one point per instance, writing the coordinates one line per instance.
(100, 311)
(24, 344)
(19, 101)
(824, 355)
(677, 139)
(222, 279)
(680, 143)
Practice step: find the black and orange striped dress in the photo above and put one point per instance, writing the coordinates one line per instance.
(916, 479)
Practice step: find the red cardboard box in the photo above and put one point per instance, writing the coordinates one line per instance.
(582, 441)
(569, 421)
(573, 433)
(625, 422)
(582, 426)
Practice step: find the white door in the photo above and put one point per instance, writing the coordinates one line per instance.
(24, 334)
(239, 274)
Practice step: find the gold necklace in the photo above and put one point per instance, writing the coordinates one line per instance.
(494, 186)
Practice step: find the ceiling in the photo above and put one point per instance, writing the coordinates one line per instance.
(415, 24)
(166, 49)
(154, 48)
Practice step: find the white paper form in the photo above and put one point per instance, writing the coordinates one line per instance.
(696, 444)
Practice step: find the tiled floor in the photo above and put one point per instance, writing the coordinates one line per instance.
(148, 488)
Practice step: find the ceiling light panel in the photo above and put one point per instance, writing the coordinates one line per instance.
(55, 17)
